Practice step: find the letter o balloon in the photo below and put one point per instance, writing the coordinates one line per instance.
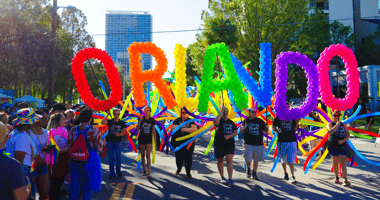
(352, 73)
(82, 83)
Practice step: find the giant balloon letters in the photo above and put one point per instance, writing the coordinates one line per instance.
(233, 70)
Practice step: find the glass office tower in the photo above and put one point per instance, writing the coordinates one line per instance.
(122, 29)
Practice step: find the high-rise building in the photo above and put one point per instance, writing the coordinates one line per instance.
(122, 29)
(361, 15)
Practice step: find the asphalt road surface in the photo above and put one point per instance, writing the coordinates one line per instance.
(163, 184)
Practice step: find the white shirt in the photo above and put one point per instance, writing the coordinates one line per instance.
(41, 138)
(20, 141)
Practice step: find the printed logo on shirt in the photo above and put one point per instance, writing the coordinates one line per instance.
(146, 127)
(254, 129)
(227, 129)
(341, 132)
(115, 129)
(286, 125)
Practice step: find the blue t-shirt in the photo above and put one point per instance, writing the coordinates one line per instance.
(12, 176)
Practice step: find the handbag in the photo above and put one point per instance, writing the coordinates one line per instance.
(349, 152)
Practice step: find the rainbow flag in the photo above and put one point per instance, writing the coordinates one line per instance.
(52, 156)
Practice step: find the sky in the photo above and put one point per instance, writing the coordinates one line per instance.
(167, 15)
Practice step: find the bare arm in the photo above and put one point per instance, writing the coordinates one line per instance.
(21, 193)
(217, 119)
(139, 123)
(173, 127)
(20, 155)
(191, 129)
(331, 130)
(297, 124)
(104, 120)
(227, 137)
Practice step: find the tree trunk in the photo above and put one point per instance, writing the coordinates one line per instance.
(16, 89)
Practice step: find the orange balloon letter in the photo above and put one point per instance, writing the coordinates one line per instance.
(138, 77)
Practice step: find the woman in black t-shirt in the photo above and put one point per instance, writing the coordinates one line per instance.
(224, 144)
(339, 134)
(183, 154)
(115, 136)
(146, 127)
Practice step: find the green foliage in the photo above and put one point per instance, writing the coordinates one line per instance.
(369, 52)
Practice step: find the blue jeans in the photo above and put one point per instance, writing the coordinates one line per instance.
(79, 181)
(114, 148)
(33, 187)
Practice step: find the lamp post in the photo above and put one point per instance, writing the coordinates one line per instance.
(52, 70)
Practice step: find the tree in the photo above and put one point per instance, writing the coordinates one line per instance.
(368, 53)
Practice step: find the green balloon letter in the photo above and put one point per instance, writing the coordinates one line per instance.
(231, 82)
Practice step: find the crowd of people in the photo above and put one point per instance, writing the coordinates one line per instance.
(29, 141)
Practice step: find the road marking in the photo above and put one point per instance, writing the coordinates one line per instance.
(116, 193)
(129, 192)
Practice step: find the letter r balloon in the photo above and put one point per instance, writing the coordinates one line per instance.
(138, 77)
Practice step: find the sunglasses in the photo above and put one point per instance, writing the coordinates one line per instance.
(183, 112)
(253, 111)
(116, 114)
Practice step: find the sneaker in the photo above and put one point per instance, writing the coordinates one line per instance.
(176, 173)
(148, 175)
(254, 176)
(286, 177)
(111, 177)
(346, 183)
(224, 181)
(231, 183)
(144, 174)
(189, 176)
(248, 173)
(120, 175)
(293, 180)
(337, 180)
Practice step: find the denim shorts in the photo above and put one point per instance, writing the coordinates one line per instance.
(337, 151)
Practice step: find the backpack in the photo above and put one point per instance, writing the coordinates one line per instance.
(79, 151)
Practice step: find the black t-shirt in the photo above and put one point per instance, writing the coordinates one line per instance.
(288, 133)
(179, 133)
(225, 127)
(253, 134)
(146, 128)
(368, 118)
(339, 134)
(12, 176)
(113, 128)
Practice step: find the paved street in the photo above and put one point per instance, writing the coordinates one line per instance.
(317, 184)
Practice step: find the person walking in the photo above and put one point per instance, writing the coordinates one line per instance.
(14, 182)
(40, 138)
(58, 171)
(224, 145)
(253, 128)
(184, 154)
(80, 174)
(113, 142)
(286, 130)
(21, 146)
(338, 136)
(146, 127)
